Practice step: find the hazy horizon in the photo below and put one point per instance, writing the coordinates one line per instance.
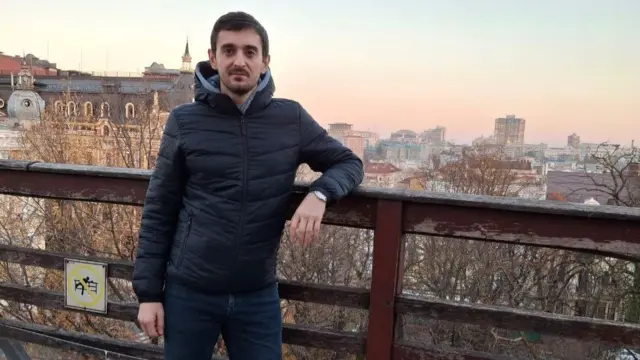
(565, 67)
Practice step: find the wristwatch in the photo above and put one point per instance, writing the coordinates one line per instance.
(319, 195)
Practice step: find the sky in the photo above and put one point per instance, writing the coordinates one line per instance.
(563, 65)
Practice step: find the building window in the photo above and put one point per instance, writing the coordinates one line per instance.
(58, 107)
(130, 111)
(71, 109)
(88, 109)
(105, 110)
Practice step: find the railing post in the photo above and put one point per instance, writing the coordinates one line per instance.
(386, 281)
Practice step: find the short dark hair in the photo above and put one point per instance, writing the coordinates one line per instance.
(238, 21)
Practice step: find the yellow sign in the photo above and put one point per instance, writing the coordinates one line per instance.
(85, 285)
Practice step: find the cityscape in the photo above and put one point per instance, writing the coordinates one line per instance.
(30, 87)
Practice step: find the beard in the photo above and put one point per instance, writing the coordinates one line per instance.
(239, 88)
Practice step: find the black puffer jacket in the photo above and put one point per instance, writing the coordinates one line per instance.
(216, 203)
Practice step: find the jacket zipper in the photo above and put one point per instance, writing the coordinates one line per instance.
(245, 165)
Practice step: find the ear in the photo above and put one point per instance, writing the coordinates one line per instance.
(212, 59)
(265, 64)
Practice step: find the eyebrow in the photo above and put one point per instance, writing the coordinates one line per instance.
(231, 46)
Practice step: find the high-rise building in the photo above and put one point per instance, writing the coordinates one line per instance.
(338, 130)
(509, 130)
(573, 141)
(355, 140)
(433, 136)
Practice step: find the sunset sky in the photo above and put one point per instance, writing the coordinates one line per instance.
(564, 65)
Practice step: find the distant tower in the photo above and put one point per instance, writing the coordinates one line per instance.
(186, 59)
(24, 80)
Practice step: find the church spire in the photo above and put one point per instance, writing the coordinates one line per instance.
(186, 50)
(186, 59)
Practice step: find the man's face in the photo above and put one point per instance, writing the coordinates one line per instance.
(238, 58)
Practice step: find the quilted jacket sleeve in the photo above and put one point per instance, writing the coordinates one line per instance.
(159, 216)
(341, 169)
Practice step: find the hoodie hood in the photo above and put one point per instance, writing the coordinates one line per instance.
(207, 89)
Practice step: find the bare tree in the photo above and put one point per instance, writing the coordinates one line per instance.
(501, 274)
(124, 135)
(618, 179)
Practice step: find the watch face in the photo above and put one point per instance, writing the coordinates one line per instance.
(320, 195)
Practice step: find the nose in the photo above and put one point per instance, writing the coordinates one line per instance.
(239, 60)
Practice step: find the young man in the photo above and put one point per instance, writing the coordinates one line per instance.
(216, 203)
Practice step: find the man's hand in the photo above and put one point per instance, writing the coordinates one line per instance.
(305, 223)
(151, 318)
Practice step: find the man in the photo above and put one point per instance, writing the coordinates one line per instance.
(217, 200)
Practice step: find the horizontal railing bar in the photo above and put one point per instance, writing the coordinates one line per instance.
(122, 269)
(47, 259)
(79, 342)
(612, 235)
(292, 333)
(604, 229)
(303, 335)
(631, 255)
(408, 196)
(49, 299)
(608, 229)
(503, 317)
(407, 350)
(124, 190)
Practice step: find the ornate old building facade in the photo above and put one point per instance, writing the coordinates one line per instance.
(93, 107)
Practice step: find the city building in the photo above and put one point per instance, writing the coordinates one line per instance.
(38, 67)
(98, 111)
(405, 136)
(433, 136)
(356, 140)
(75, 94)
(24, 104)
(381, 175)
(573, 141)
(355, 143)
(338, 130)
(369, 138)
(509, 130)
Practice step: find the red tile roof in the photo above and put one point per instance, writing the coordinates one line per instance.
(11, 64)
(380, 168)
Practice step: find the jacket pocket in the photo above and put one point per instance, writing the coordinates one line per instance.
(185, 239)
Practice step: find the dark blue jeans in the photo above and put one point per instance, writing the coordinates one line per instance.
(250, 324)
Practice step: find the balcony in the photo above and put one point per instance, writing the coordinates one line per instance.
(605, 231)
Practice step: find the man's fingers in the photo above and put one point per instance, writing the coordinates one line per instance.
(143, 327)
(316, 227)
(148, 328)
(294, 226)
(152, 328)
(160, 322)
(308, 232)
(301, 229)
